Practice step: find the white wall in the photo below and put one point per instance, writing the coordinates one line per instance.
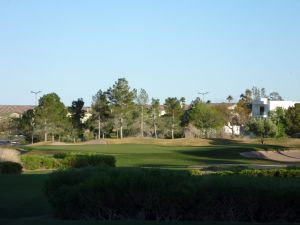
(282, 104)
(269, 106)
(228, 129)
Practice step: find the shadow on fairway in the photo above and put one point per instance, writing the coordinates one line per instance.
(223, 154)
(238, 143)
(221, 141)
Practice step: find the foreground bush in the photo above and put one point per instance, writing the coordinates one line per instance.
(10, 168)
(81, 161)
(35, 162)
(140, 194)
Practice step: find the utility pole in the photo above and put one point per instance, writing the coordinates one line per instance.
(203, 94)
(36, 96)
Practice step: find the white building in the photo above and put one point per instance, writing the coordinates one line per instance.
(262, 107)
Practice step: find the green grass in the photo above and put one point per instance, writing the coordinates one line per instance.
(137, 155)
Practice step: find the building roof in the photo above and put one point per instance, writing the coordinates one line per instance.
(10, 109)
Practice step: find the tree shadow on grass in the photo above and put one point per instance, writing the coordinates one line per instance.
(223, 141)
(238, 143)
(220, 155)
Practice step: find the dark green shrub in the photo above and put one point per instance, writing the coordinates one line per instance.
(34, 162)
(10, 168)
(148, 194)
(81, 161)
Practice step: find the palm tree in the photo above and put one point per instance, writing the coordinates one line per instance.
(229, 98)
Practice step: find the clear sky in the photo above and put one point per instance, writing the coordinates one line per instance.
(169, 47)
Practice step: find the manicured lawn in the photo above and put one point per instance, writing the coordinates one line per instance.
(129, 155)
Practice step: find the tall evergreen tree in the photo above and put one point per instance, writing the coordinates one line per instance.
(155, 112)
(26, 124)
(101, 109)
(77, 114)
(121, 100)
(50, 114)
(142, 101)
(173, 109)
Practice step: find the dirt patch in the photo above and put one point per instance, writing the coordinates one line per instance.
(9, 155)
(279, 156)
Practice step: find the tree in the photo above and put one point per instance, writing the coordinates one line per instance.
(275, 96)
(278, 117)
(247, 97)
(173, 109)
(293, 119)
(155, 111)
(256, 93)
(101, 109)
(244, 108)
(262, 128)
(230, 117)
(26, 124)
(121, 99)
(50, 114)
(77, 114)
(229, 98)
(205, 118)
(142, 101)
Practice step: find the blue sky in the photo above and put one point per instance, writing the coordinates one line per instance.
(169, 47)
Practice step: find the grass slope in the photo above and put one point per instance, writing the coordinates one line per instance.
(142, 155)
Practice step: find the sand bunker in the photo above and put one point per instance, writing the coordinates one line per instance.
(280, 156)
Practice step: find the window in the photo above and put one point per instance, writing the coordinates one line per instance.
(262, 110)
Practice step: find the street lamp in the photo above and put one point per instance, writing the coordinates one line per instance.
(36, 95)
(203, 94)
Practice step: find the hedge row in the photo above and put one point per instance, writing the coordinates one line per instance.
(284, 173)
(272, 173)
(34, 162)
(10, 168)
(148, 194)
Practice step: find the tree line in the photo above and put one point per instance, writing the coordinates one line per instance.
(122, 111)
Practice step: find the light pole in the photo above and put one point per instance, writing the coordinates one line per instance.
(36, 95)
(203, 94)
